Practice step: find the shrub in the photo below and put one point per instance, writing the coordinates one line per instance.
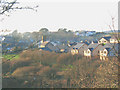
(25, 71)
(21, 62)
(43, 70)
(5, 66)
(65, 58)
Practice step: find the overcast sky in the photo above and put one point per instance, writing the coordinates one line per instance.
(73, 15)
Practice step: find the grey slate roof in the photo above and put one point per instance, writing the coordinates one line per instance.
(49, 48)
(108, 49)
(71, 44)
(110, 45)
(46, 49)
(62, 46)
(91, 49)
(114, 37)
(107, 38)
(45, 43)
(78, 45)
(92, 45)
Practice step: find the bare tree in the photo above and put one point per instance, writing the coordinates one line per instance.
(112, 28)
(116, 34)
(7, 6)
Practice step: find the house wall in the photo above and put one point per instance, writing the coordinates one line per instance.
(103, 52)
(113, 53)
(104, 55)
(102, 40)
(74, 51)
(96, 51)
(103, 58)
(87, 53)
(81, 50)
(42, 46)
(113, 41)
(62, 50)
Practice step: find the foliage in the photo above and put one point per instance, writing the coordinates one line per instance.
(43, 69)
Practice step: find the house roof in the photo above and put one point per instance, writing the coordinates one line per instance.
(116, 46)
(114, 37)
(62, 46)
(108, 49)
(92, 45)
(78, 45)
(91, 49)
(86, 42)
(45, 43)
(71, 44)
(53, 48)
(46, 49)
(50, 47)
(94, 41)
(110, 45)
(107, 38)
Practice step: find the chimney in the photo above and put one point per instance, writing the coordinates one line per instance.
(43, 39)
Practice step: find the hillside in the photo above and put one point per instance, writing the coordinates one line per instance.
(42, 69)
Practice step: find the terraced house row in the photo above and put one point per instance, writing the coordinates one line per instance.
(104, 47)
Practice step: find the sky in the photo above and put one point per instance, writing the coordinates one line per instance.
(74, 15)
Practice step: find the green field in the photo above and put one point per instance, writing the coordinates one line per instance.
(11, 56)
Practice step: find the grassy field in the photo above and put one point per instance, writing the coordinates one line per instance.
(11, 56)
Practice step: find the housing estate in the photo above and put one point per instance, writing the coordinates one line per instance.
(106, 46)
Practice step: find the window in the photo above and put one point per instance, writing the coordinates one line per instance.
(98, 51)
(105, 52)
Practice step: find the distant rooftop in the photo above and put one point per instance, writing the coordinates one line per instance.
(107, 38)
